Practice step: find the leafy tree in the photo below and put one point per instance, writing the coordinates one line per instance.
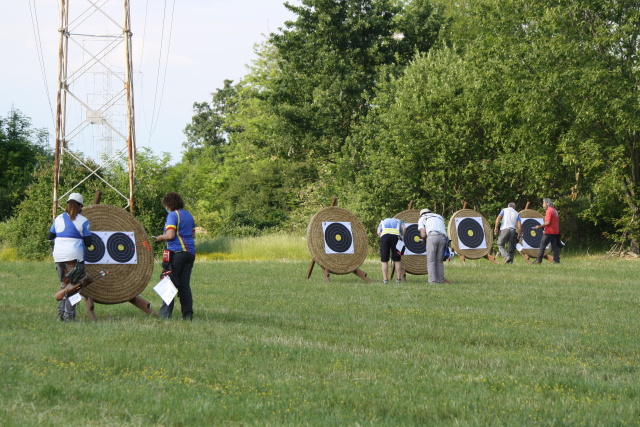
(328, 61)
(22, 149)
(208, 128)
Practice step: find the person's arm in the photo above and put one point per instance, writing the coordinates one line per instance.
(497, 227)
(547, 222)
(423, 233)
(519, 227)
(169, 234)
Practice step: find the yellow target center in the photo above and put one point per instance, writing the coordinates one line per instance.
(533, 233)
(338, 237)
(416, 239)
(121, 247)
(91, 248)
(470, 233)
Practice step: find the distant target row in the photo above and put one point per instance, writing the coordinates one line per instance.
(337, 240)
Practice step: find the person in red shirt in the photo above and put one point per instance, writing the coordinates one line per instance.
(551, 232)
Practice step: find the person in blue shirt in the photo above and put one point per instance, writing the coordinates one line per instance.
(179, 233)
(70, 233)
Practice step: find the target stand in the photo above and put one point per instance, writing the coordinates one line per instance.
(338, 242)
(471, 235)
(531, 237)
(121, 245)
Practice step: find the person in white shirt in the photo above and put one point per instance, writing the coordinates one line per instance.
(70, 233)
(432, 230)
(509, 231)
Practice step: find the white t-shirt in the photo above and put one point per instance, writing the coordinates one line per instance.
(432, 223)
(510, 218)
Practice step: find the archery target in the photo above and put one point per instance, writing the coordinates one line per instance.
(115, 247)
(412, 241)
(338, 238)
(94, 253)
(531, 237)
(470, 232)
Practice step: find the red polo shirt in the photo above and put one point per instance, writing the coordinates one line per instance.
(551, 216)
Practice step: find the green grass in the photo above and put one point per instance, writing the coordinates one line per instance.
(263, 248)
(504, 345)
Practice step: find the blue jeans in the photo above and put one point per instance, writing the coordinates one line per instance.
(181, 266)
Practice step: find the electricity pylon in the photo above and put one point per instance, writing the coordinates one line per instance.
(82, 54)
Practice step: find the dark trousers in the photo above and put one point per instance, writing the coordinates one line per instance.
(554, 239)
(181, 266)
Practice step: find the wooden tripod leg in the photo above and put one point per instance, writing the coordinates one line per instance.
(326, 274)
(90, 308)
(361, 274)
(491, 258)
(143, 305)
(525, 256)
(313, 262)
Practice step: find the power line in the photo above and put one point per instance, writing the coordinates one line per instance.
(36, 34)
(156, 117)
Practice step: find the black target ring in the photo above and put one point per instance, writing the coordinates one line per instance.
(338, 237)
(412, 240)
(530, 235)
(95, 252)
(120, 247)
(470, 233)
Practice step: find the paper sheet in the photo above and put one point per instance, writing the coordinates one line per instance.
(166, 289)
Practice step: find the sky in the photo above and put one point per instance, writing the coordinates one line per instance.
(209, 41)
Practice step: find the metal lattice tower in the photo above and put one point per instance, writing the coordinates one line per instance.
(95, 97)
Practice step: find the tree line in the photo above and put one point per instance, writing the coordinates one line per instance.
(380, 102)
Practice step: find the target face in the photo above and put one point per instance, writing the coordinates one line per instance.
(95, 252)
(470, 233)
(338, 237)
(412, 242)
(530, 236)
(112, 247)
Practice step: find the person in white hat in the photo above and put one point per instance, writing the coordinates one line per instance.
(70, 233)
(432, 230)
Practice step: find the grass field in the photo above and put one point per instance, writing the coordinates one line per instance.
(504, 345)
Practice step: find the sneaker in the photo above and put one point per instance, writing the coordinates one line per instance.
(398, 281)
(385, 281)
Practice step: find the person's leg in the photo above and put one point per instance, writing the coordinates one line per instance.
(512, 244)
(543, 246)
(385, 249)
(432, 254)
(396, 257)
(385, 268)
(554, 248)
(60, 268)
(182, 267)
(66, 311)
(502, 240)
(440, 243)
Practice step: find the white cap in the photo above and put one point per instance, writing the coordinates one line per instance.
(424, 211)
(77, 197)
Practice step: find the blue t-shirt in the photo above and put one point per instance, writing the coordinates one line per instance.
(184, 224)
